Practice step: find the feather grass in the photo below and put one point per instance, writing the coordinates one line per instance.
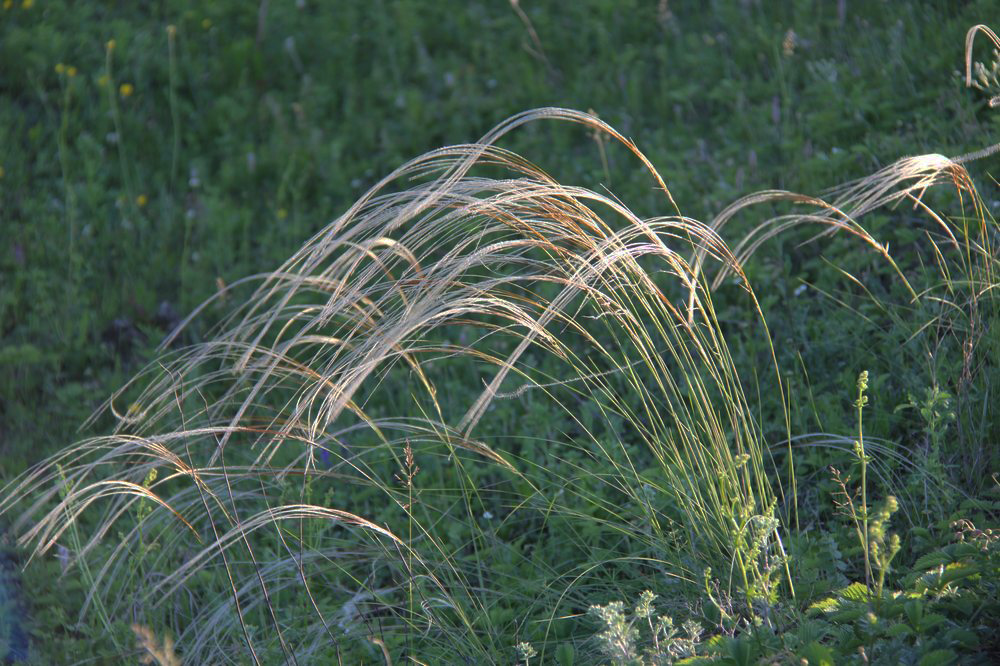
(349, 367)
(367, 313)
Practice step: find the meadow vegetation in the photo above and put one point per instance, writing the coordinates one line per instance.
(705, 374)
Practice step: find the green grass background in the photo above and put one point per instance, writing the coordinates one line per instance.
(138, 179)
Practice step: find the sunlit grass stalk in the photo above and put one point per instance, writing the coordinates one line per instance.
(76, 543)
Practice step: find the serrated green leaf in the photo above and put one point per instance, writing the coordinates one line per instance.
(812, 631)
(938, 658)
(716, 644)
(854, 592)
(953, 572)
(898, 631)
(932, 561)
(957, 571)
(966, 604)
(914, 611)
(964, 637)
(963, 549)
(892, 605)
(817, 655)
(931, 620)
(848, 615)
(825, 605)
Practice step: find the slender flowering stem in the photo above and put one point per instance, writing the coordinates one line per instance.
(859, 404)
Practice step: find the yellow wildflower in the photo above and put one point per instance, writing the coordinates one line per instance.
(206, 23)
(103, 80)
(141, 200)
(282, 213)
(110, 45)
(27, 4)
(60, 68)
(71, 71)
(126, 89)
(7, 4)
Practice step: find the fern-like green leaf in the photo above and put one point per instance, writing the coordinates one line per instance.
(854, 592)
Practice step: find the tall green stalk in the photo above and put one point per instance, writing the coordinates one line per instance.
(116, 119)
(859, 450)
(174, 113)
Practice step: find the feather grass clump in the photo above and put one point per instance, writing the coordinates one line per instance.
(288, 403)
(338, 470)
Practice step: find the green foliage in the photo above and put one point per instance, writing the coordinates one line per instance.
(643, 638)
(944, 610)
(948, 600)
